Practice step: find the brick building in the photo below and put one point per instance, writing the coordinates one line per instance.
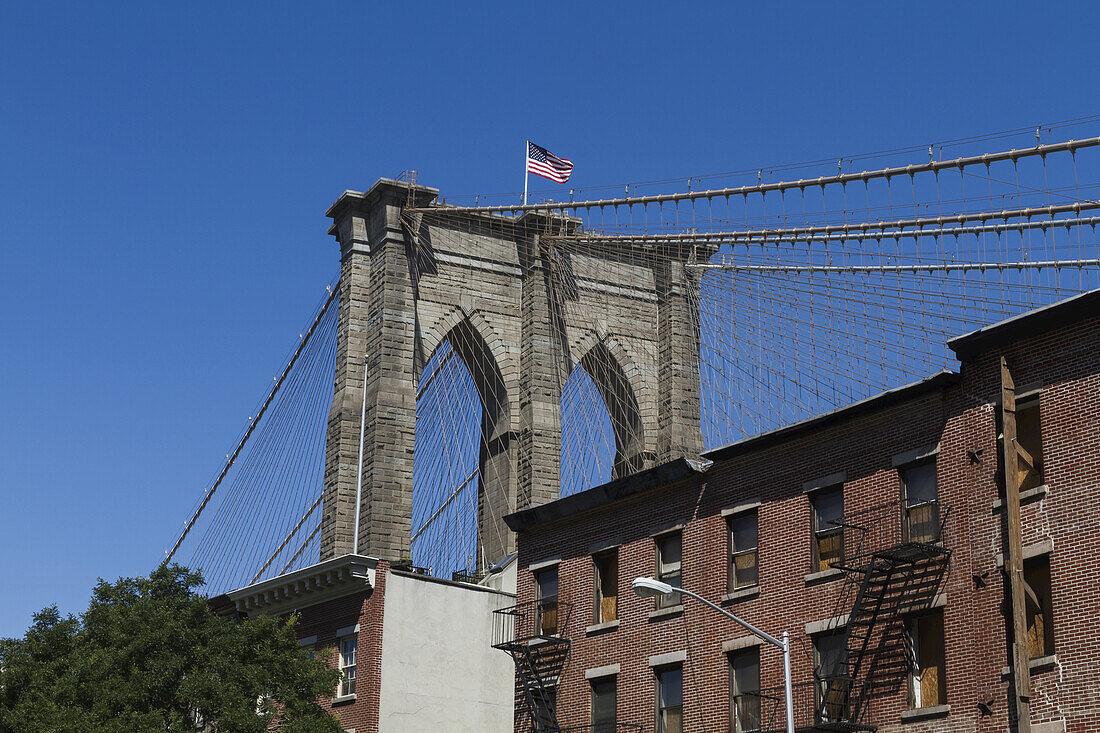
(414, 650)
(877, 535)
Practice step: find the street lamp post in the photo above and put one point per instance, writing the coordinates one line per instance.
(649, 587)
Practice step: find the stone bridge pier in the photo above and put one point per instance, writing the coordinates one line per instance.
(521, 307)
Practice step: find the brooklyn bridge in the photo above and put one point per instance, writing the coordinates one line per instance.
(475, 357)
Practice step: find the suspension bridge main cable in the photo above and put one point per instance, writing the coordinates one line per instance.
(932, 166)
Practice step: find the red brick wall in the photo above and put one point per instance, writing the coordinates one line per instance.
(963, 420)
(324, 619)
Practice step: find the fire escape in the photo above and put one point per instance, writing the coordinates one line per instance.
(894, 559)
(529, 632)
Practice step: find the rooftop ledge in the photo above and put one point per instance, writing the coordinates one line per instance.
(331, 578)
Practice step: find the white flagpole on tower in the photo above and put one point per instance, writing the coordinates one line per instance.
(526, 155)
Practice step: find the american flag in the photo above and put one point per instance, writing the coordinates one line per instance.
(542, 162)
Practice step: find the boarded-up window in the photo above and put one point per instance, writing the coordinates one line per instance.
(1040, 613)
(922, 509)
(670, 700)
(607, 587)
(828, 513)
(743, 540)
(669, 547)
(928, 681)
(1029, 444)
(745, 690)
(603, 705)
(546, 596)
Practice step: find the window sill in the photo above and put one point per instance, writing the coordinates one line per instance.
(823, 576)
(343, 699)
(663, 613)
(1038, 664)
(1038, 492)
(934, 711)
(741, 594)
(601, 627)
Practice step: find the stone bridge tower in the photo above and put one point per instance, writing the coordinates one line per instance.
(521, 310)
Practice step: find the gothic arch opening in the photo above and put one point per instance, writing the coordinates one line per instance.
(601, 431)
(462, 458)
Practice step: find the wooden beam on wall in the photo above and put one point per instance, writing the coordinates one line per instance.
(1014, 565)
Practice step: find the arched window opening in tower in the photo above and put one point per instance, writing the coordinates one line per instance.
(587, 435)
(445, 466)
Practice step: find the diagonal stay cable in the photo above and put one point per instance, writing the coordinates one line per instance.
(252, 426)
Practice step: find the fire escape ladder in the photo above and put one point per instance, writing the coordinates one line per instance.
(529, 632)
(538, 668)
(890, 573)
(873, 591)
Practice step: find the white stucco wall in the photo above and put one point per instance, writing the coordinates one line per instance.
(439, 670)
(506, 579)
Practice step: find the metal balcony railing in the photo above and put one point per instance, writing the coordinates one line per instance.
(467, 576)
(901, 530)
(545, 618)
(818, 706)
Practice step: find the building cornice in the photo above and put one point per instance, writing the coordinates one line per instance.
(998, 335)
(333, 578)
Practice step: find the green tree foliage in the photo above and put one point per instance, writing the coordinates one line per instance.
(150, 655)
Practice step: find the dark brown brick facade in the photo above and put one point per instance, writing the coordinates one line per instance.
(961, 416)
(324, 619)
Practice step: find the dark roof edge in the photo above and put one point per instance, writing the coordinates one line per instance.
(635, 483)
(882, 400)
(999, 334)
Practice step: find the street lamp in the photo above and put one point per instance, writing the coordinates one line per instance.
(649, 587)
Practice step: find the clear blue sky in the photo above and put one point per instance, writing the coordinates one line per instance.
(164, 169)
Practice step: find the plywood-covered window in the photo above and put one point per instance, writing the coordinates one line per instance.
(928, 679)
(546, 597)
(670, 700)
(828, 514)
(669, 562)
(604, 701)
(1029, 444)
(606, 602)
(742, 570)
(745, 690)
(1040, 611)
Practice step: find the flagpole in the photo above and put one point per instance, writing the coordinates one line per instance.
(526, 154)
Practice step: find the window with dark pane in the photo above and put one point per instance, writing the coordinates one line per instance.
(669, 548)
(603, 705)
(1029, 444)
(670, 700)
(742, 569)
(832, 689)
(606, 602)
(546, 598)
(828, 514)
(745, 690)
(921, 504)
